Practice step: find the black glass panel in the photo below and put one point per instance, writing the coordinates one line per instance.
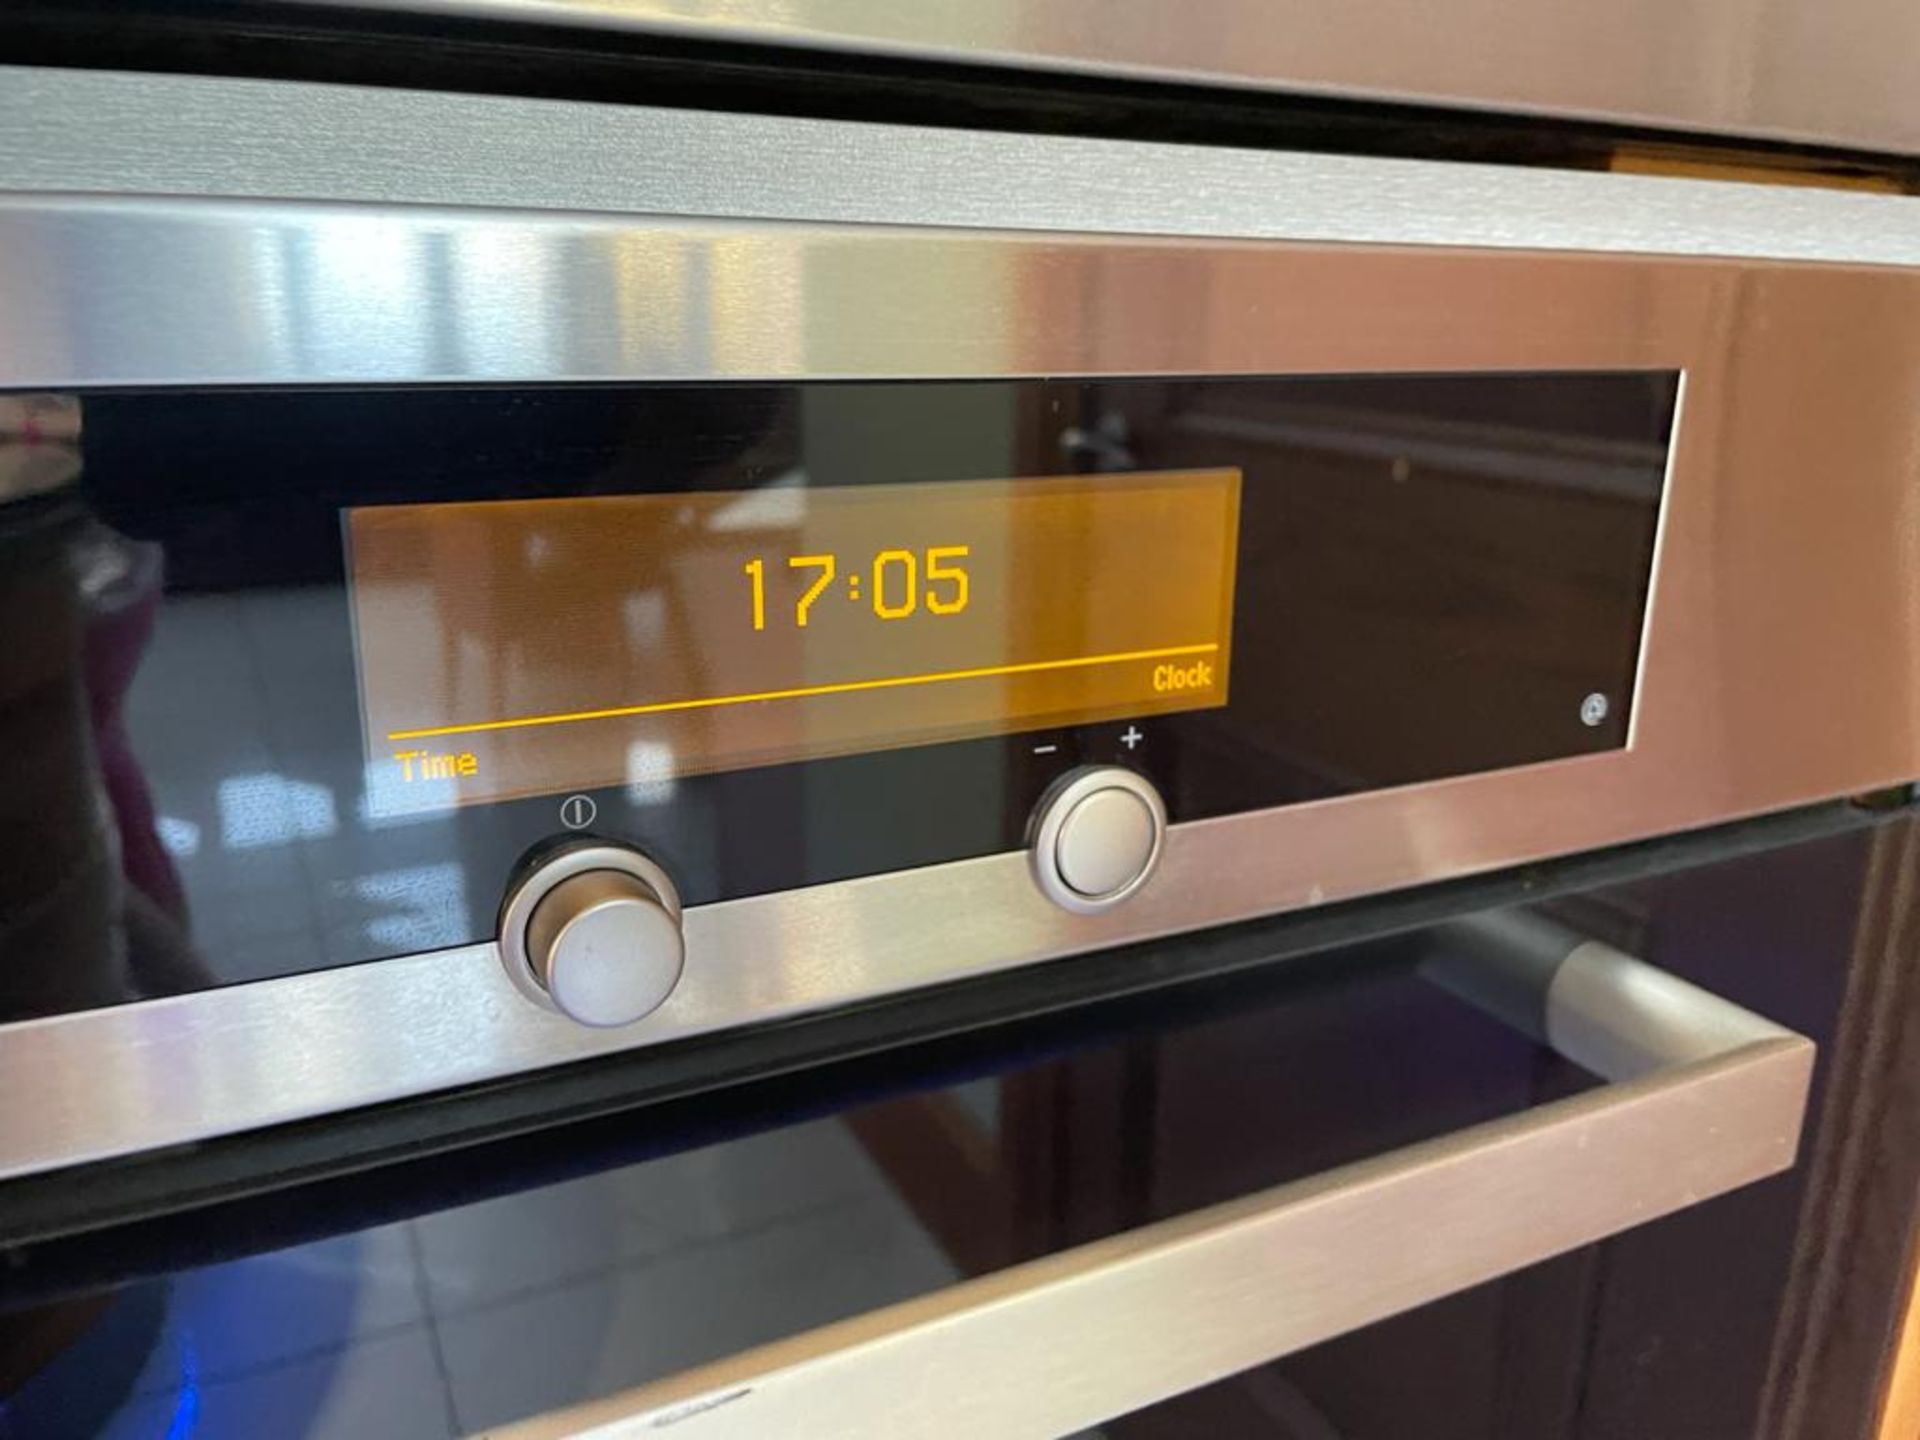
(1437, 575)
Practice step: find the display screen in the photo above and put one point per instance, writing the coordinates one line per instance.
(510, 648)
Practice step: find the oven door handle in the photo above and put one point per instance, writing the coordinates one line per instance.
(1705, 1097)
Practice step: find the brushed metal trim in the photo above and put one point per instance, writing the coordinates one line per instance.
(1781, 663)
(1838, 74)
(97, 133)
(1707, 1097)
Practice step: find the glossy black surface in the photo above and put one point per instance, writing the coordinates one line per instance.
(1435, 573)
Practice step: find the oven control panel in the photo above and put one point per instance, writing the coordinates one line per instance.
(559, 670)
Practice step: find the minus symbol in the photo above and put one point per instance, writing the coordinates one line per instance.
(1045, 749)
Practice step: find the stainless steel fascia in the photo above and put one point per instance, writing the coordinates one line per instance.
(1781, 663)
(74, 132)
(1837, 74)
(1707, 1097)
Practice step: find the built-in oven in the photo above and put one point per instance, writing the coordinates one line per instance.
(661, 602)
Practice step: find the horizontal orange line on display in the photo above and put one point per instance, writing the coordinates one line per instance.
(804, 692)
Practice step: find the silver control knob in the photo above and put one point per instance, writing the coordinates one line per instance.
(1097, 836)
(594, 932)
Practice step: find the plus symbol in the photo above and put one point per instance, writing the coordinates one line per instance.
(1132, 738)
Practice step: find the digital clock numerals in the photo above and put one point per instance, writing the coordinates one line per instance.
(897, 584)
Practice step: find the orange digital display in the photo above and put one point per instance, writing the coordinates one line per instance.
(512, 648)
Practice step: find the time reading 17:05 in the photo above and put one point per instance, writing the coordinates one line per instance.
(896, 577)
(875, 616)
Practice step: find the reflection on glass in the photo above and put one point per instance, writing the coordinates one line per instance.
(410, 909)
(650, 771)
(258, 810)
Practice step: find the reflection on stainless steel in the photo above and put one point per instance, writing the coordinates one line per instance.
(1707, 1097)
(96, 132)
(1748, 68)
(1781, 663)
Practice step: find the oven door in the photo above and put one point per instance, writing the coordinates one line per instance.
(1493, 1176)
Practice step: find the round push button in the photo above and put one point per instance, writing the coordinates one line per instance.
(605, 947)
(593, 931)
(1105, 842)
(1097, 837)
